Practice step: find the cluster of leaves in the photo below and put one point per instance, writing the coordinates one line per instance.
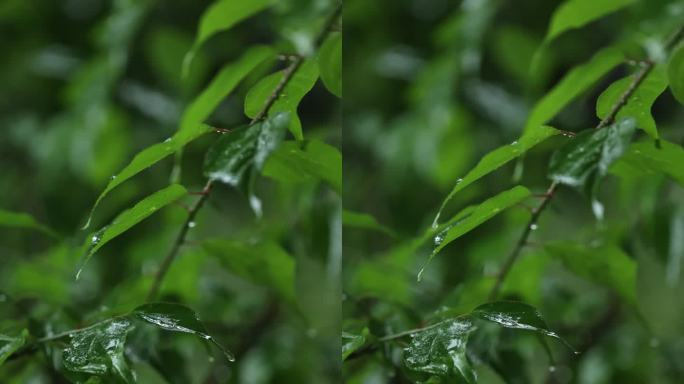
(64, 328)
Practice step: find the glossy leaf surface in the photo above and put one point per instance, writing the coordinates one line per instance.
(330, 63)
(313, 159)
(577, 13)
(10, 344)
(352, 343)
(644, 158)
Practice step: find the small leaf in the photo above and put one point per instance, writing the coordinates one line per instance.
(150, 156)
(573, 84)
(330, 63)
(239, 150)
(646, 158)
(585, 160)
(11, 344)
(177, 318)
(99, 350)
(352, 343)
(23, 220)
(675, 73)
(364, 221)
(219, 17)
(516, 315)
(577, 13)
(129, 218)
(297, 87)
(440, 349)
(223, 84)
(311, 160)
(262, 263)
(639, 104)
(497, 158)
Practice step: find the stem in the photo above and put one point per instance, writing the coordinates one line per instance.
(639, 77)
(288, 74)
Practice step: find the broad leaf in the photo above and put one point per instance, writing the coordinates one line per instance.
(675, 73)
(150, 156)
(573, 84)
(10, 344)
(497, 158)
(441, 349)
(330, 63)
(516, 315)
(129, 218)
(223, 84)
(23, 220)
(238, 151)
(364, 221)
(99, 350)
(577, 13)
(646, 158)
(177, 318)
(262, 263)
(310, 160)
(219, 17)
(352, 343)
(639, 104)
(607, 265)
(585, 160)
(471, 217)
(297, 87)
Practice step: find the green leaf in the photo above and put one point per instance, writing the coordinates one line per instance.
(573, 84)
(646, 158)
(330, 63)
(606, 265)
(516, 315)
(150, 156)
(675, 73)
(585, 160)
(639, 104)
(177, 318)
(238, 151)
(129, 218)
(219, 17)
(11, 344)
(471, 217)
(262, 263)
(440, 349)
(352, 343)
(297, 87)
(223, 84)
(99, 350)
(304, 161)
(364, 221)
(497, 158)
(577, 13)
(23, 220)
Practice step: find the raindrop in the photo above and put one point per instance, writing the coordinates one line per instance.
(459, 180)
(534, 227)
(552, 368)
(515, 142)
(167, 140)
(113, 177)
(192, 224)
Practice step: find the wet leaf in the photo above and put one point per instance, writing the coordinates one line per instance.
(10, 344)
(23, 220)
(352, 342)
(330, 63)
(99, 350)
(639, 104)
(129, 218)
(577, 13)
(644, 158)
(150, 156)
(440, 349)
(299, 85)
(497, 158)
(295, 162)
(675, 73)
(585, 160)
(516, 315)
(364, 221)
(177, 318)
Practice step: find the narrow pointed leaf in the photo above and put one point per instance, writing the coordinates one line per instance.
(177, 318)
(352, 343)
(573, 84)
(10, 344)
(364, 221)
(498, 157)
(150, 156)
(297, 87)
(23, 220)
(297, 162)
(675, 73)
(441, 349)
(330, 63)
(99, 350)
(129, 218)
(645, 158)
(639, 104)
(577, 13)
